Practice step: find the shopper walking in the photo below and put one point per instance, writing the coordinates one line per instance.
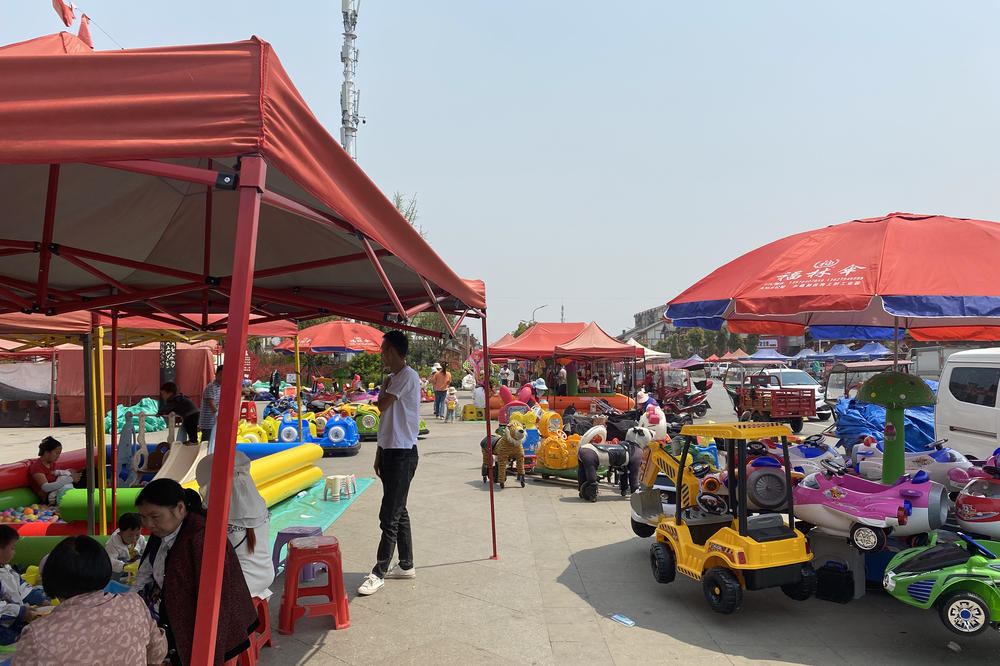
(395, 461)
(210, 406)
(440, 381)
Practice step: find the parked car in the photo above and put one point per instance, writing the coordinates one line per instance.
(967, 413)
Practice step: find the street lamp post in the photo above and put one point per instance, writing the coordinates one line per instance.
(532, 320)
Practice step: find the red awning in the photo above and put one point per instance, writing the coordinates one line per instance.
(505, 340)
(156, 111)
(593, 343)
(539, 341)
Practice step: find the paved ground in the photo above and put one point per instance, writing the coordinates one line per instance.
(565, 567)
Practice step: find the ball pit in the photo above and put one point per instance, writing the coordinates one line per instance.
(35, 513)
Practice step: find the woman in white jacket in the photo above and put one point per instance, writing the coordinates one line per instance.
(249, 523)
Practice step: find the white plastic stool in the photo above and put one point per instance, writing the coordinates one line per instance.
(352, 484)
(334, 486)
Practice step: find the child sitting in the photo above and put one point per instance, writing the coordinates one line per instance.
(126, 544)
(451, 403)
(16, 596)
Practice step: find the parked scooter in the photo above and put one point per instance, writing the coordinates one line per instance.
(695, 403)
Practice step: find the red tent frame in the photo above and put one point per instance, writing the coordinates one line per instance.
(361, 209)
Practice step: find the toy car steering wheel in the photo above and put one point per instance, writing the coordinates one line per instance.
(756, 449)
(700, 469)
(975, 546)
(712, 504)
(831, 467)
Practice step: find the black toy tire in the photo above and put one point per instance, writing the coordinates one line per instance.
(700, 411)
(661, 561)
(805, 588)
(867, 539)
(723, 591)
(642, 530)
(796, 424)
(973, 604)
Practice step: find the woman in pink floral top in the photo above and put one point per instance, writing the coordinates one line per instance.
(89, 626)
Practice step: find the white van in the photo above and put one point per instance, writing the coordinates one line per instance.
(967, 413)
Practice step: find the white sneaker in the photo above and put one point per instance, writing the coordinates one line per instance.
(397, 572)
(371, 585)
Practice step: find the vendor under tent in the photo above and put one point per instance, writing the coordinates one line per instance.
(197, 151)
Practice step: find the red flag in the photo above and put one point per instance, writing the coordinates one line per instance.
(84, 32)
(64, 11)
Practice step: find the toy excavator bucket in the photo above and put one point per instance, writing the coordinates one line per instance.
(745, 430)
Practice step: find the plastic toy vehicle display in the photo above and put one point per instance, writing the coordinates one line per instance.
(725, 544)
(977, 508)
(340, 433)
(962, 579)
(942, 464)
(807, 457)
(865, 511)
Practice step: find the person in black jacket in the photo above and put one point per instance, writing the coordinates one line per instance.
(178, 403)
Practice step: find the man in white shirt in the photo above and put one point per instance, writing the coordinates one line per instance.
(395, 462)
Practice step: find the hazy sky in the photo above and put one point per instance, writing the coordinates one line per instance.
(606, 155)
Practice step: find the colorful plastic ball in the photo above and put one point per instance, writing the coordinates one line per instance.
(29, 511)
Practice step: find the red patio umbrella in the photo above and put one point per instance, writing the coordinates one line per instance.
(335, 337)
(933, 275)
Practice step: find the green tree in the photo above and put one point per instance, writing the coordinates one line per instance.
(752, 341)
(696, 340)
(522, 326)
(662, 345)
(369, 366)
(722, 341)
(735, 341)
(407, 207)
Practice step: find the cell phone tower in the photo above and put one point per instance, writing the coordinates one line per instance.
(349, 97)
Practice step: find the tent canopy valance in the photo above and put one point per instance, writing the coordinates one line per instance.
(593, 343)
(539, 341)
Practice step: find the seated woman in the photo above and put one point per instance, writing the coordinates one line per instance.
(249, 523)
(169, 585)
(48, 482)
(89, 626)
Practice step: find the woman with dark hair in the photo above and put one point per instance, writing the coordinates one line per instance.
(170, 568)
(48, 482)
(89, 626)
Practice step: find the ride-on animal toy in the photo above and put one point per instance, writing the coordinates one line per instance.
(622, 460)
(504, 449)
(865, 511)
(961, 578)
(726, 545)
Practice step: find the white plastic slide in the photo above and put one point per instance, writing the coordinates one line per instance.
(182, 461)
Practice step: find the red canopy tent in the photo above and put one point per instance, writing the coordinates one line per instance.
(592, 342)
(712, 358)
(539, 341)
(138, 182)
(505, 340)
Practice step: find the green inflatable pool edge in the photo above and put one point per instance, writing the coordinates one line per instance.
(15, 497)
(73, 505)
(31, 549)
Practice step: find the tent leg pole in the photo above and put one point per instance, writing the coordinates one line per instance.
(52, 392)
(251, 187)
(114, 417)
(102, 454)
(88, 399)
(489, 434)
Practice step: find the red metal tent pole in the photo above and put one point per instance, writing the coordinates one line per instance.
(114, 416)
(489, 434)
(210, 582)
(206, 265)
(52, 392)
(45, 250)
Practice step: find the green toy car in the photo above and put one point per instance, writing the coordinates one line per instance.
(961, 578)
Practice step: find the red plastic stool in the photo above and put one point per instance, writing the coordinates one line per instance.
(248, 411)
(261, 638)
(302, 552)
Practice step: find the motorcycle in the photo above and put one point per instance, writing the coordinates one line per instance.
(695, 403)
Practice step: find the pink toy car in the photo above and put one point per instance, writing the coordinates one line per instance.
(866, 511)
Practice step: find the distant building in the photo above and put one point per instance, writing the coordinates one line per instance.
(650, 327)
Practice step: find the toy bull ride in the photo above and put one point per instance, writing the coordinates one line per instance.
(621, 459)
(500, 451)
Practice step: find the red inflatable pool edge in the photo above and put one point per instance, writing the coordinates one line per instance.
(49, 529)
(15, 474)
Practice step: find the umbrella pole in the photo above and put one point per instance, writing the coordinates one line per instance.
(298, 386)
(489, 434)
(895, 344)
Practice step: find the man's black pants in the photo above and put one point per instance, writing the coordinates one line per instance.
(397, 467)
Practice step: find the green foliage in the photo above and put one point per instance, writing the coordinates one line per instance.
(522, 326)
(407, 207)
(735, 342)
(369, 366)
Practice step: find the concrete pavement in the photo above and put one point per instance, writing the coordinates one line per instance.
(564, 567)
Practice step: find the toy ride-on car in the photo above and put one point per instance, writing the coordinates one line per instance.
(961, 578)
(725, 544)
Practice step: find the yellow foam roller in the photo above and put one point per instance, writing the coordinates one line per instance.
(288, 485)
(266, 469)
